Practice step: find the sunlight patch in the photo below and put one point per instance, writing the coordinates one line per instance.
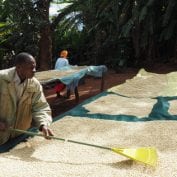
(173, 107)
(118, 105)
(142, 87)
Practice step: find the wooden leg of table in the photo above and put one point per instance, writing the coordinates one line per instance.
(76, 94)
(68, 93)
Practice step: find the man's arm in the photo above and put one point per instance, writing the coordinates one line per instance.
(41, 112)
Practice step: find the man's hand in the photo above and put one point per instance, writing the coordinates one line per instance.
(3, 126)
(46, 131)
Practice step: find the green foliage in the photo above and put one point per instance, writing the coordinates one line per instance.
(20, 31)
(116, 33)
(71, 40)
(122, 56)
(100, 34)
(25, 17)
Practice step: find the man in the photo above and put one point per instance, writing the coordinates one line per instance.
(22, 101)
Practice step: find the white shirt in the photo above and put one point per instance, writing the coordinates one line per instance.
(61, 62)
(19, 87)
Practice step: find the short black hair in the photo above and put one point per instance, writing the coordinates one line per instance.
(22, 58)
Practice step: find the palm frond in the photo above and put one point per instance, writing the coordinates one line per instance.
(169, 11)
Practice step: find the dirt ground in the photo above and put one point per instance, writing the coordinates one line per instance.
(91, 87)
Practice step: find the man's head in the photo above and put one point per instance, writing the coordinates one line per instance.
(25, 65)
(64, 53)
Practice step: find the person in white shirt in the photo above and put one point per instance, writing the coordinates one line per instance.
(61, 62)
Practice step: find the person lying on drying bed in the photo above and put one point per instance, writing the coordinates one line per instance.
(22, 101)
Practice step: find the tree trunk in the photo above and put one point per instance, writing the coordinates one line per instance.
(45, 49)
(175, 52)
(136, 41)
(45, 42)
(150, 55)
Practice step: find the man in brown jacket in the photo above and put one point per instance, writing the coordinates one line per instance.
(22, 100)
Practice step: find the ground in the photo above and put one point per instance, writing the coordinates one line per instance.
(91, 87)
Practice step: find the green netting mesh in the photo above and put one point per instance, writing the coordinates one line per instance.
(146, 97)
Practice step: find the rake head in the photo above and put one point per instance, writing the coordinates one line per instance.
(146, 155)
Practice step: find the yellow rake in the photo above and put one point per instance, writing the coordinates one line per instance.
(146, 155)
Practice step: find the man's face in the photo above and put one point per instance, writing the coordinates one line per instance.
(27, 70)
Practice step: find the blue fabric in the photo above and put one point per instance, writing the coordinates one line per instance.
(96, 71)
(72, 80)
(64, 68)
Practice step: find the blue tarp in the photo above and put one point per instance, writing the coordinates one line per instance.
(71, 81)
